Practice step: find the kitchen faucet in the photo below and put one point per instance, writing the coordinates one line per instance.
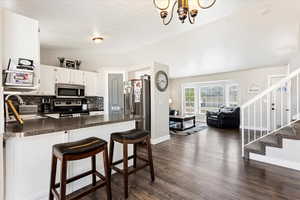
(21, 102)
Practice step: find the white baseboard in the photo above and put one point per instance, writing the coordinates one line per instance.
(160, 139)
(274, 161)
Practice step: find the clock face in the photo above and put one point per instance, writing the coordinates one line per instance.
(161, 80)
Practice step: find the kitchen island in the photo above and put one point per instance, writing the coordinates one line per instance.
(28, 151)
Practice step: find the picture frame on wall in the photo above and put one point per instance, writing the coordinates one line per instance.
(254, 89)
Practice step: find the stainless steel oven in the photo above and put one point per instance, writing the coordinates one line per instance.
(69, 91)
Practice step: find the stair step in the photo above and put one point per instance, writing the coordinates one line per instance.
(255, 147)
(290, 132)
(271, 140)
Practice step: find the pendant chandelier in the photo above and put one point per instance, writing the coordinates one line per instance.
(186, 9)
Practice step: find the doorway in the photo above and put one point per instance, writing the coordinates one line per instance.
(279, 105)
(115, 93)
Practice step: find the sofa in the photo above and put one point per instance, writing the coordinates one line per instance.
(226, 117)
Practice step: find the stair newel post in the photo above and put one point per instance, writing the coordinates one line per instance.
(254, 120)
(297, 87)
(281, 106)
(261, 116)
(243, 131)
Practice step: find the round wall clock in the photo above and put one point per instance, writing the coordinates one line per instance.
(161, 81)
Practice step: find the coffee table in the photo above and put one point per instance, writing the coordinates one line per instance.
(182, 119)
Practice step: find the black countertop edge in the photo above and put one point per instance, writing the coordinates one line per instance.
(48, 125)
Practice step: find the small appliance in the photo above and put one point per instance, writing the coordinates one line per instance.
(69, 91)
(46, 105)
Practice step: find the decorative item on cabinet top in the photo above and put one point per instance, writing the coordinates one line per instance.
(69, 63)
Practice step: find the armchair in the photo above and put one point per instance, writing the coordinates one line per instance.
(228, 117)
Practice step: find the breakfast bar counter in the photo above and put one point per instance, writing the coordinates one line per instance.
(28, 151)
(50, 125)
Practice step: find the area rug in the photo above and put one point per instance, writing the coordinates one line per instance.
(191, 131)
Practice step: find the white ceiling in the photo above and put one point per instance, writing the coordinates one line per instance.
(126, 25)
(234, 35)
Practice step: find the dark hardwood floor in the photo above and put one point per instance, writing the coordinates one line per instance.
(208, 166)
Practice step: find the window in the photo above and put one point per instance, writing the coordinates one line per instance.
(233, 91)
(197, 98)
(211, 98)
(189, 100)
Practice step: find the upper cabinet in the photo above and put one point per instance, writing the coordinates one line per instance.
(77, 77)
(50, 75)
(62, 75)
(91, 83)
(47, 80)
(20, 37)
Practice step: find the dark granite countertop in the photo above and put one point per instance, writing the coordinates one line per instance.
(49, 125)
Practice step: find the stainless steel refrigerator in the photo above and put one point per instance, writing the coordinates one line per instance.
(137, 100)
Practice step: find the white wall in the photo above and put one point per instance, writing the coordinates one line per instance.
(244, 78)
(92, 59)
(159, 107)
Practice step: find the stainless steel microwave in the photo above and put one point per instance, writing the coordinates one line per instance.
(69, 91)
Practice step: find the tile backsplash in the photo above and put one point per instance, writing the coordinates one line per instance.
(94, 103)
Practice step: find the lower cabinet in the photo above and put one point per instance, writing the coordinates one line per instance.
(28, 160)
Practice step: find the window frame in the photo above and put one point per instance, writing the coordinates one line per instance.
(210, 86)
(184, 99)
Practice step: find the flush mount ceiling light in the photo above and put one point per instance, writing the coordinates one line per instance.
(97, 39)
(186, 9)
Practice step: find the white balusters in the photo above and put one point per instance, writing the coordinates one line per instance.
(270, 117)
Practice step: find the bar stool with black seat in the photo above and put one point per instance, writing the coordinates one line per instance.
(75, 151)
(131, 137)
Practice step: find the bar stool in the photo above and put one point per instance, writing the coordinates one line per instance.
(75, 151)
(131, 137)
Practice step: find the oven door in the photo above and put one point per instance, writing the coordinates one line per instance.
(69, 91)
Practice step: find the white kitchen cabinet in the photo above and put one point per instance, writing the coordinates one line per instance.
(90, 83)
(77, 77)
(47, 80)
(20, 37)
(62, 75)
(50, 75)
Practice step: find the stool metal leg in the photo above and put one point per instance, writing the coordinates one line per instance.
(63, 180)
(53, 176)
(150, 159)
(94, 170)
(107, 173)
(125, 169)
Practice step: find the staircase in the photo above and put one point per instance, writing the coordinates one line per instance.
(271, 120)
